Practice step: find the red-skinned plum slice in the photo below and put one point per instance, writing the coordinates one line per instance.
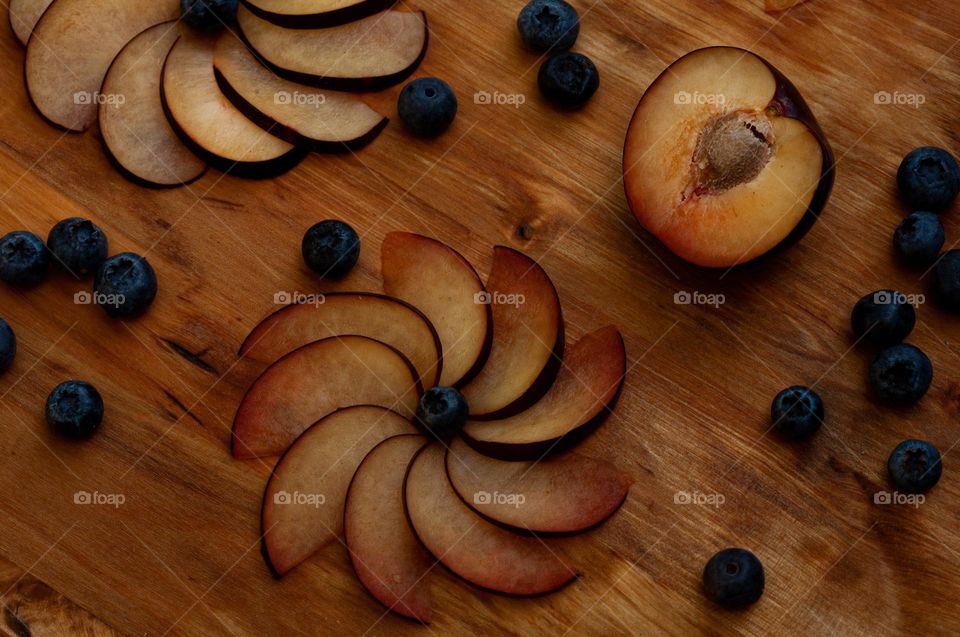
(24, 15)
(315, 14)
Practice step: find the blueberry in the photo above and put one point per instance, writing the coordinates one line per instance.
(125, 285)
(797, 412)
(8, 346)
(929, 178)
(946, 280)
(733, 578)
(427, 106)
(442, 412)
(23, 259)
(568, 79)
(78, 245)
(918, 239)
(915, 466)
(331, 248)
(208, 15)
(74, 409)
(549, 24)
(901, 374)
(883, 318)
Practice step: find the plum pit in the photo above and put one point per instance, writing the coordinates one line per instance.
(732, 149)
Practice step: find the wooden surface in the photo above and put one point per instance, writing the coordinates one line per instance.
(180, 555)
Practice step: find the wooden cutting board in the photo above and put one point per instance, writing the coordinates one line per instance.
(180, 555)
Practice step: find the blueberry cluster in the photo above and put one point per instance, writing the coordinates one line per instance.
(566, 78)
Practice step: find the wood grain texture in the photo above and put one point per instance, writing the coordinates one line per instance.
(180, 555)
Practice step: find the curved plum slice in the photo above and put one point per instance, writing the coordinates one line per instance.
(316, 380)
(566, 493)
(480, 552)
(136, 132)
(437, 279)
(527, 341)
(304, 498)
(24, 15)
(372, 53)
(585, 389)
(72, 47)
(315, 14)
(208, 123)
(322, 121)
(391, 321)
(387, 557)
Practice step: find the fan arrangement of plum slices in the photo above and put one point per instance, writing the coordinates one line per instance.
(251, 99)
(337, 396)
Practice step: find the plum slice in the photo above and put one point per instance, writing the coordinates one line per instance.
(437, 279)
(375, 52)
(527, 338)
(566, 493)
(723, 160)
(24, 15)
(316, 380)
(303, 502)
(391, 321)
(136, 133)
(322, 121)
(480, 552)
(387, 557)
(208, 123)
(72, 47)
(315, 14)
(585, 389)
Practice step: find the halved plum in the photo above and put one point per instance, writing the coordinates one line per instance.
(480, 552)
(724, 160)
(136, 133)
(527, 341)
(566, 493)
(315, 14)
(322, 121)
(387, 557)
(24, 15)
(586, 387)
(375, 52)
(389, 320)
(208, 123)
(303, 502)
(72, 47)
(437, 279)
(316, 380)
